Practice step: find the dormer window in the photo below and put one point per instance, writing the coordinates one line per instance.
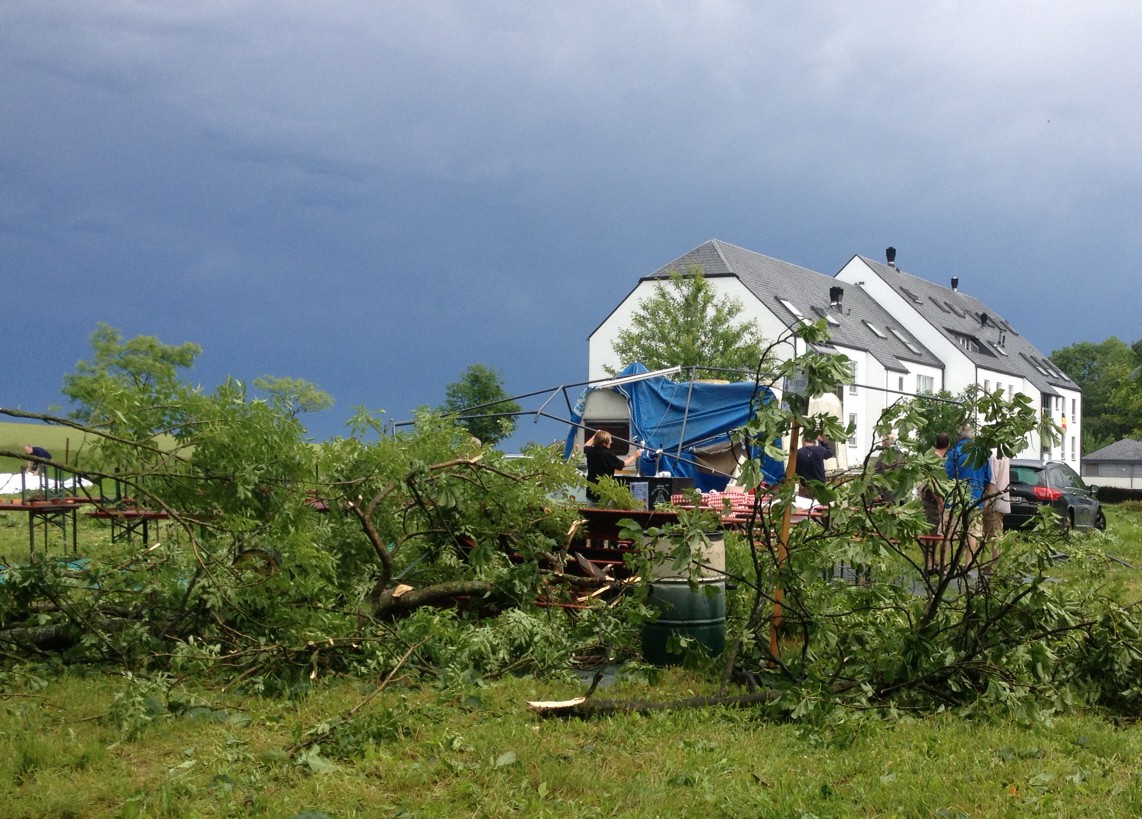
(967, 342)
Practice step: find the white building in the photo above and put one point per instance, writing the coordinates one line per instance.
(976, 346)
(905, 335)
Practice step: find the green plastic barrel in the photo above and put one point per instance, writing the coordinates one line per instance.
(697, 612)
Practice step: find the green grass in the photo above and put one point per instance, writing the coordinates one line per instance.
(62, 442)
(94, 744)
(482, 753)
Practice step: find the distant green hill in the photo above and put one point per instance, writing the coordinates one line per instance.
(64, 444)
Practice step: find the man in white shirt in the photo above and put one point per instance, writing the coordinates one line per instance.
(997, 502)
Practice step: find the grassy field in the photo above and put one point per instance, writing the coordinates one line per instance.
(64, 444)
(96, 743)
(425, 753)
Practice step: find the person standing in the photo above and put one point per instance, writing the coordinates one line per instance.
(601, 461)
(810, 464)
(997, 502)
(933, 502)
(964, 504)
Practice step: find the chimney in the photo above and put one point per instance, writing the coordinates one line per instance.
(835, 296)
(955, 284)
(890, 255)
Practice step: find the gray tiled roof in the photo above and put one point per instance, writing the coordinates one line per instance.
(958, 316)
(1127, 450)
(771, 280)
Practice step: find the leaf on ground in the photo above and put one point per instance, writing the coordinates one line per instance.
(506, 758)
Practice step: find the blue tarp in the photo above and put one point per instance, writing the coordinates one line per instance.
(665, 413)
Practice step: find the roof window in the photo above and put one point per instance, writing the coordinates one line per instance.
(904, 340)
(788, 305)
(875, 329)
(827, 316)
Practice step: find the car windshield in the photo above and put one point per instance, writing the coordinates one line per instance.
(1025, 474)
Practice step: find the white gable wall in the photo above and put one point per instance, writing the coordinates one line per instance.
(1068, 406)
(865, 399)
(600, 344)
(959, 371)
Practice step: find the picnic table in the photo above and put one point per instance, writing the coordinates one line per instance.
(46, 516)
(127, 521)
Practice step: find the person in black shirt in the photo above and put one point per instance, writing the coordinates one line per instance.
(601, 461)
(39, 452)
(811, 464)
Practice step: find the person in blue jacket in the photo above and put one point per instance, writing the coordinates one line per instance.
(972, 475)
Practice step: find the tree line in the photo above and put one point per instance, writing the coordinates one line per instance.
(1109, 373)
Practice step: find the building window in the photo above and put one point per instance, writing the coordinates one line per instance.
(793, 309)
(853, 424)
(987, 385)
(924, 384)
(1073, 409)
(620, 434)
(1073, 449)
(876, 330)
(999, 388)
(900, 384)
(904, 340)
(967, 342)
(1010, 391)
(852, 378)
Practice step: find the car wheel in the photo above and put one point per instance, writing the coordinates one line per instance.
(1100, 521)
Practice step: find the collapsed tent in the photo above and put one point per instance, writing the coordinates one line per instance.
(684, 427)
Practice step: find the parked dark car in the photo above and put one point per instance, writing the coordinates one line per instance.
(1054, 484)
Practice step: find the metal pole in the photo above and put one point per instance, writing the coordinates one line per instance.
(685, 415)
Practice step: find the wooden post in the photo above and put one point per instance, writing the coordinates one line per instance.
(783, 539)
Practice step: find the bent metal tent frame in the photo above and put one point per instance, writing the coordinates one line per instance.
(687, 420)
(680, 424)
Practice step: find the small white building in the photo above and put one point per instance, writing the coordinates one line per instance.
(904, 335)
(1119, 465)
